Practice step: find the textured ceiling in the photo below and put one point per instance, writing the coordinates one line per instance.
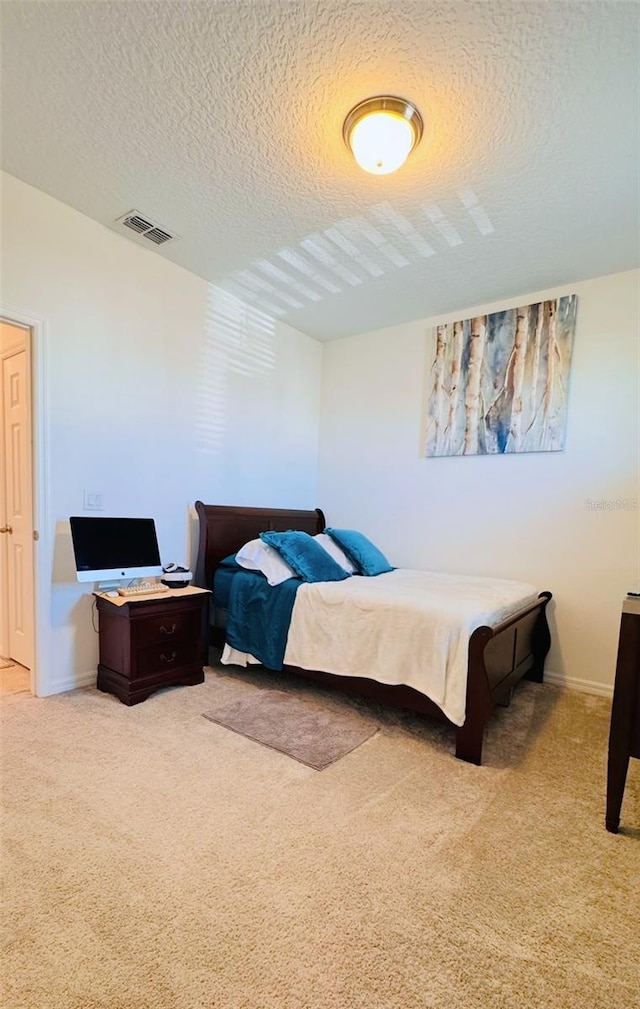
(222, 122)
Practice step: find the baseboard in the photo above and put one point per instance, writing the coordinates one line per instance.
(585, 686)
(75, 682)
(556, 679)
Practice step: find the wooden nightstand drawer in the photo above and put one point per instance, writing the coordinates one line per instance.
(168, 628)
(171, 655)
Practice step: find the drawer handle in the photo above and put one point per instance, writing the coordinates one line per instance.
(168, 630)
(169, 658)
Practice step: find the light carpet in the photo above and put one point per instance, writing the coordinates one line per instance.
(154, 860)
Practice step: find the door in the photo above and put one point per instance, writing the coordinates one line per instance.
(16, 496)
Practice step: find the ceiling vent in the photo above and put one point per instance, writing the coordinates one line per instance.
(135, 224)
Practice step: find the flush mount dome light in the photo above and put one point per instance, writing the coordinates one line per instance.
(381, 132)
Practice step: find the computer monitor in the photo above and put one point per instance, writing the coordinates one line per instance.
(107, 548)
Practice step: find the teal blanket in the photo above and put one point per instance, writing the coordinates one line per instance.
(259, 616)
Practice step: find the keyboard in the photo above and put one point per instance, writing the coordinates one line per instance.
(144, 589)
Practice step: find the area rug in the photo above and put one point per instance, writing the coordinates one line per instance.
(301, 727)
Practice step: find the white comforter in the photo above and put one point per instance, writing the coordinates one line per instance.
(405, 627)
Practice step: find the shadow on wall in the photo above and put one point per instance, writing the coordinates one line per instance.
(554, 662)
(193, 536)
(64, 562)
(239, 345)
(72, 607)
(82, 617)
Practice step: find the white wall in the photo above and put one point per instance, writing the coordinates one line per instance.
(518, 516)
(161, 390)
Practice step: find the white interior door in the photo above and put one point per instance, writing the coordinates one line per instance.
(16, 508)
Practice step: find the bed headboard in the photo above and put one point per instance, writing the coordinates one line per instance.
(225, 528)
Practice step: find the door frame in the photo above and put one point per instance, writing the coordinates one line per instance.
(42, 547)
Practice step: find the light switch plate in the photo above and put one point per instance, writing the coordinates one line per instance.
(93, 501)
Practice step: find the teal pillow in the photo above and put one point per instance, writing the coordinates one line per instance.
(309, 560)
(361, 551)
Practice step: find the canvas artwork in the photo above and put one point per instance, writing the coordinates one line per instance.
(498, 383)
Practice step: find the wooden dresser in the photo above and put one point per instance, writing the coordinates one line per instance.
(624, 735)
(149, 642)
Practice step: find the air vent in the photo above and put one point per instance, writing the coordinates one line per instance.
(158, 236)
(144, 228)
(137, 223)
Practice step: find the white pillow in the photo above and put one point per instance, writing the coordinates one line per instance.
(336, 552)
(259, 556)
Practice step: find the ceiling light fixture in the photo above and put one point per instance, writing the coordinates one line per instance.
(381, 132)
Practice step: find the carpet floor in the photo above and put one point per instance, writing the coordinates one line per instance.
(155, 860)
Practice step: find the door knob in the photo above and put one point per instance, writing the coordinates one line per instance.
(6, 529)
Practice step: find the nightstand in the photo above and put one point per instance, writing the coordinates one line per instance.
(152, 641)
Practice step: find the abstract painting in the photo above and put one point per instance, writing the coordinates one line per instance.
(498, 383)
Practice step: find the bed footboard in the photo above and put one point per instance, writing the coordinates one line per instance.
(499, 657)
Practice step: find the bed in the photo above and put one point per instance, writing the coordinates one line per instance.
(499, 654)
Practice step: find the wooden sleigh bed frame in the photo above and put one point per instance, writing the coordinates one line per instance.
(499, 656)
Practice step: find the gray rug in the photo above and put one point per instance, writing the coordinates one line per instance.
(301, 727)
